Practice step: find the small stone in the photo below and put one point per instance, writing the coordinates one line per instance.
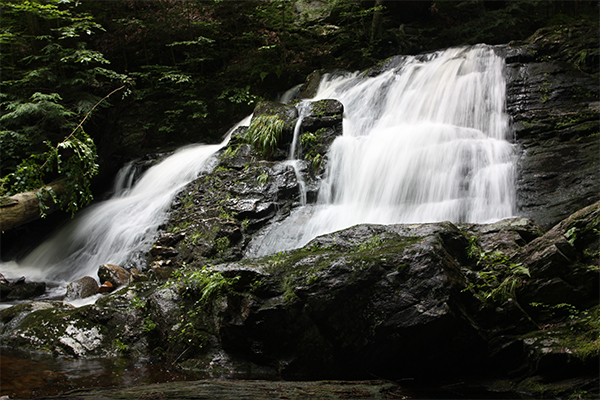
(137, 276)
(163, 252)
(106, 287)
(114, 274)
(82, 288)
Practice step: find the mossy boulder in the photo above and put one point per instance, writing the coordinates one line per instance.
(553, 99)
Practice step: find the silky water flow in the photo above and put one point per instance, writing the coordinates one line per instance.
(121, 229)
(425, 141)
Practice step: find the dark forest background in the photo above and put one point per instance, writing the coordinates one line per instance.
(149, 76)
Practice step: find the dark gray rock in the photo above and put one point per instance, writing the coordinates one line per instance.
(82, 288)
(356, 300)
(322, 114)
(26, 290)
(20, 289)
(320, 127)
(554, 105)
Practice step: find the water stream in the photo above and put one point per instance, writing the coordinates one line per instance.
(119, 230)
(425, 141)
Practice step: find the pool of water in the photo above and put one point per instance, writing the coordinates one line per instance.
(26, 375)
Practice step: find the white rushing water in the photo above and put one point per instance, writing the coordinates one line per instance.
(424, 142)
(118, 230)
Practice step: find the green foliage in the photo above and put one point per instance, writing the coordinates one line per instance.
(263, 178)
(51, 81)
(372, 244)
(500, 280)
(202, 286)
(577, 329)
(120, 346)
(264, 133)
(206, 282)
(149, 324)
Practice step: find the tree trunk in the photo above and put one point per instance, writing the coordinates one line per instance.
(376, 24)
(24, 207)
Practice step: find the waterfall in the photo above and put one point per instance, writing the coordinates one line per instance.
(121, 229)
(293, 154)
(426, 141)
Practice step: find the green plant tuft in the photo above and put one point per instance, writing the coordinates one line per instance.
(264, 133)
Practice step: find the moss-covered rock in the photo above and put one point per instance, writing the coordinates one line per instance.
(552, 97)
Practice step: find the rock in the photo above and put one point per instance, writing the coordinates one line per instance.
(555, 113)
(51, 328)
(170, 239)
(26, 290)
(163, 252)
(507, 235)
(137, 276)
(114, 274)
(106, 287)
(82, 288)
(320, 127)
(323, 114)
(5, 290)
(554, 261)
(311, 85)
(402, 277)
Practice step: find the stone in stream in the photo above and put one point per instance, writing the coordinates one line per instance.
(114, 274)
(82, 288)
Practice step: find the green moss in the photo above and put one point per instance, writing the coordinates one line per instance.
(222, 244)
(578, 335)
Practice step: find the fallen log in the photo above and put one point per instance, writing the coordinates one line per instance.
(22, 208)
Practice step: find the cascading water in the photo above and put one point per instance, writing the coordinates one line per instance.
(423, 142)
(292, 158)
(121, 229)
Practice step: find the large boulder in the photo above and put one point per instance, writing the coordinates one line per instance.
(553, 100)
(367, 300)
(82, 288)
(116, 324)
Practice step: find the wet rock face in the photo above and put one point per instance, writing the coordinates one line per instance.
(553, 100)
(355, 302)
(116, 324)
(20, 289)
(115, 275)
(392, 301)
(216, 215)
(319, 128)
(82, 288)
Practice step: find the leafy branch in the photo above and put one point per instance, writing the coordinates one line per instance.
(78, 167)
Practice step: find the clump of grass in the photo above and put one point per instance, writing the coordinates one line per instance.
(264, 133)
